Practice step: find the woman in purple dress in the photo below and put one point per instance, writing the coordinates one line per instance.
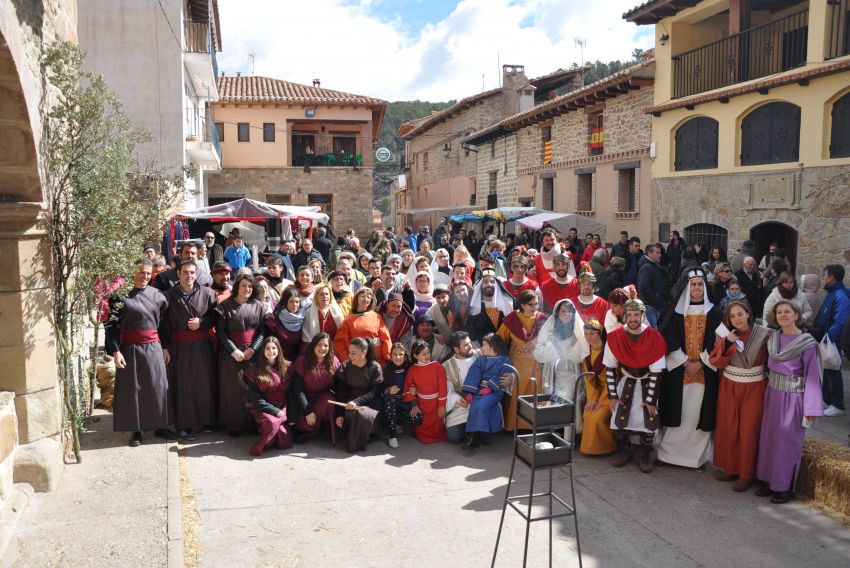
(240, 333)
(286, 322)
(312, 385)
(792, 401)
(268, 382)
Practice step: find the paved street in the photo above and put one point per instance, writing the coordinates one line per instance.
(419, 505)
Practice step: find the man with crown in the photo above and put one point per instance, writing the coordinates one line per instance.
(634, 359)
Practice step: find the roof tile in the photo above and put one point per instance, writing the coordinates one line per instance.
(256, 89)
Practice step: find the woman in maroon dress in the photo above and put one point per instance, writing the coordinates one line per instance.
(286, 322)
(240, 332)
(268, 382)
(312, 386)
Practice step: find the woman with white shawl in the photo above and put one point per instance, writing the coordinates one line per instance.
(561, 347)
(323, 315)
(441, 270)
(422, 284)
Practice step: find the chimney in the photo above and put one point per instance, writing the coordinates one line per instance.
(317, 83)
(239, 73)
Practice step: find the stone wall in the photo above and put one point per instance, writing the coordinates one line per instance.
(812, 200)
(8, 442)
(499, 156)
(351, 190)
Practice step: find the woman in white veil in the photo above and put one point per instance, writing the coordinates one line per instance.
(561, 347)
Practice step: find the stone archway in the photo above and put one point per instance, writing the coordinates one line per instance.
(783, 235)
(30, 447)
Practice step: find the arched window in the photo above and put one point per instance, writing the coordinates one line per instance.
(771, 135)
(711, 235)
(696, 144)
(839, 142)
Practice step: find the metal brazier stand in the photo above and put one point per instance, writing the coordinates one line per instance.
(544, 420)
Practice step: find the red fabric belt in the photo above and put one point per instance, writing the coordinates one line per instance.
(241, 337)
(188, 335)
(139, 336)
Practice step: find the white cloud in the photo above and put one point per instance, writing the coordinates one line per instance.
(352, 50)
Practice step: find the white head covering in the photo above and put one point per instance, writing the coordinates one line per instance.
(547, 332)
(427, 297)
(412, 273)
(501, 298)
(685, 296)
(441, 277)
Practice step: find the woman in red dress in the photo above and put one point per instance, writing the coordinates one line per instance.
(312, 385)
(426, 387)
(365, 322)
(268, 383)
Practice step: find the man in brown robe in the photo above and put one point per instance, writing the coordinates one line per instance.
(191, 373)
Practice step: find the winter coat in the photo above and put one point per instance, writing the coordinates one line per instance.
(834, 311)
(799, 300)
(809, 285)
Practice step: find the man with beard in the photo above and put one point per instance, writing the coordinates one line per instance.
(459, 305)
(634, 359)
(167, 279)
(142, 401)
(544, 263)
(689, 390)
(588, 305)
(560, 287)
(190, 370)
(489, 305)
(339, 289)
(518, 281)
(398, 317)
(387, 276)
(221, 280)
(439, 313)
(457, 368)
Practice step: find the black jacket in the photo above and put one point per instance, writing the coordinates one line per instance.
(651, 284)
(611, 280)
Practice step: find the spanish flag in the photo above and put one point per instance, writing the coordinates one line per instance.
(547, 152)
(597, 138)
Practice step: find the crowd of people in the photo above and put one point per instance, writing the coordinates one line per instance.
(676, 349)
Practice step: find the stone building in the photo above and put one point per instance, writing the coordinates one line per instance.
(750, 123)
(293, 144)
(30, 407)
(442, 174)
(159, 56)
(584, 152)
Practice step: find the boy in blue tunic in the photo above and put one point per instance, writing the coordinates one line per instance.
(484, 391)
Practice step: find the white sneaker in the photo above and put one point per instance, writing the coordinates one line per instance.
(832, 411)
(393, 443)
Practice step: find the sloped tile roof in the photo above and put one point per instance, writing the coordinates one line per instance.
(437, 117)
(256, 89)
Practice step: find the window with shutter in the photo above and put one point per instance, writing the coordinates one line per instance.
(696, 144)
(771, 135)
(839, 142)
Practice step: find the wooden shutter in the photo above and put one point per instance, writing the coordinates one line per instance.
(771, 135)
(696, 144)
(839, 143)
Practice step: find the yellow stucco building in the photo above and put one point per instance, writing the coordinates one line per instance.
(751, 124)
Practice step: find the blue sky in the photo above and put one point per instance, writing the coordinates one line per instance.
(420, 49)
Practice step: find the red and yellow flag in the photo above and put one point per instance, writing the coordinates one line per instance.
(597, 138)
(547, 152)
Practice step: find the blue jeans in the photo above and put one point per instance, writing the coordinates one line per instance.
(833, 388)
(456, 433)
(652, 315)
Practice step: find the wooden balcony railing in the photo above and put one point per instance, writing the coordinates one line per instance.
(753, 53)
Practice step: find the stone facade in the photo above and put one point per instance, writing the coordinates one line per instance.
(814, 205)
(351, 190)
(498, 157)
(33, 416)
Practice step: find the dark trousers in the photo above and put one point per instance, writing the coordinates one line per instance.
(833, 388)
(395, 413)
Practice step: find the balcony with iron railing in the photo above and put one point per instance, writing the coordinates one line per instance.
(838, 28)
(200, 57)
(757, 52)
(202, 143)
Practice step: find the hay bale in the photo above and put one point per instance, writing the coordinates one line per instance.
(825, 475)
(105, 373)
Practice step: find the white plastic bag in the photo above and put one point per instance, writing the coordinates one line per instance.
(829, 354)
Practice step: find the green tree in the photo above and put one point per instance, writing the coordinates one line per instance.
(102, 206)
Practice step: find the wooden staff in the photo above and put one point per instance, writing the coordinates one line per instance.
(357, 408)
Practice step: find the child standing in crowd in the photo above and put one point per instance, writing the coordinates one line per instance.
(396, 410)
(484, 391)
(425, 387)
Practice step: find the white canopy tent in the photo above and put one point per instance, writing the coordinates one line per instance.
(563, 222)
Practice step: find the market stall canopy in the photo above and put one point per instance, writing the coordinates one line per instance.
(251, 210)
(563, 222)
(501, 214)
